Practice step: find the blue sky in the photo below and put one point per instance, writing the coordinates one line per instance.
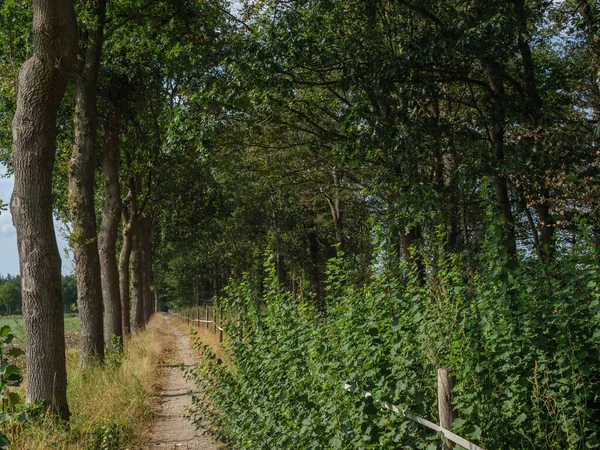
(9, 257)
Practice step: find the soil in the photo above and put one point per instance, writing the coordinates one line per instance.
(171, 430)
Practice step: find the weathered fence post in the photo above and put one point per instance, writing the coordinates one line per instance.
(206, 311)
(214, 320)
(447, 415)
(220, 323)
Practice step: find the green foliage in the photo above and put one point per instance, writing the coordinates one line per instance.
(69, 292)
(523, 345)
(109, 435)
(13, 410)
(10, 296)
(15, 45)
(114, 353)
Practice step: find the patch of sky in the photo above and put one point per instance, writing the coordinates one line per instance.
(9, 256)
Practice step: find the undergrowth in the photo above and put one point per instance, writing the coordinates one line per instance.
(111, 404)
(522, 343)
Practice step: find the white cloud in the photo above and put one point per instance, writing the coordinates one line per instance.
(7, 229)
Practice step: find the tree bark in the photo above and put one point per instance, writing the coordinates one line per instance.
(316, 277)
(81, 197)
(124, 277)
(146, 266)
(137, 282)
(496, 131)
(496, 136)
(42, 83)
(415, 261)
(335, 205)
(108, 235)
(533, 110)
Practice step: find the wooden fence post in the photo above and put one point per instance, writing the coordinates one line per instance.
(447, 415)
(206, 313)
(214, 320)
(220, 323)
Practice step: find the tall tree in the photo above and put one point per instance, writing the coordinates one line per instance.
(42, 83)
(128, 221)
(107, 238)
(81, 192)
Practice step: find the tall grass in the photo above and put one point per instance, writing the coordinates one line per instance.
(111, 404)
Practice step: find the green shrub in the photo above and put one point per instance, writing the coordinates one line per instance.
(522, 341)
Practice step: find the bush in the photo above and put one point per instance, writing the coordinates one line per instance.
(522, 341)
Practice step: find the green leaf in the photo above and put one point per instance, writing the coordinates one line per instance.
(15, 352)
(4, 442)
(521, 418)
(468, 410)
(14, 398)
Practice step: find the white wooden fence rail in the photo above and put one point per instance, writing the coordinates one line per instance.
(198, 320)
(447, 433)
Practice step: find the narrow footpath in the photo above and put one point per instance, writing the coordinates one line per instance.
(171, 429)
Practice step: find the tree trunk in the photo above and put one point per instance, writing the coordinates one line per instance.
(592, 28)
(124, 278)
(42, 83)
(137, 282)
(533, 108)
(279, 269)
(335, 205)
(146, 266)
(496, 131)
(496, 137)
(316, 278)
(81, 197)
(412, 257)
(108, 235)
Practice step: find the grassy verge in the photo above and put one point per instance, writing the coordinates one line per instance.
(111, 404)
(15, 322)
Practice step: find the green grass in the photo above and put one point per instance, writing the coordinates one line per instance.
(15, 322)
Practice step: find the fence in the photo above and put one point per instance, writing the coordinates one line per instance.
(449, 435)
(211, 316)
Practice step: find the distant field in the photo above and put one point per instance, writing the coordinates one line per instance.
(16, 323)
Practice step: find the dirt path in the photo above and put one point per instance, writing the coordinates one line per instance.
(172, 430)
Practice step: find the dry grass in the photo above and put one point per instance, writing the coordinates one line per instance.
(111, 404)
